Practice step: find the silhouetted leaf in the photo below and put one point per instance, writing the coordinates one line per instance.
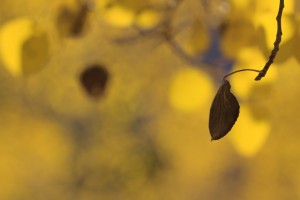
(94, 80)
(224, 112)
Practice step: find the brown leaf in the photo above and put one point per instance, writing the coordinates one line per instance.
(94, 80)
(224, 112)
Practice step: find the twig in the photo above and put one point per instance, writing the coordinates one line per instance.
(263, 72)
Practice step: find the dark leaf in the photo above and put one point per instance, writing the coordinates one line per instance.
(94, 80)
(224, 112)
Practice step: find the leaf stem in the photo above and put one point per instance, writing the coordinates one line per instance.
(241, 70)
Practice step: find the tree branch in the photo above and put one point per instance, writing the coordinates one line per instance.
(263, 72)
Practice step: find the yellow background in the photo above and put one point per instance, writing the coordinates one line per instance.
(147, 137)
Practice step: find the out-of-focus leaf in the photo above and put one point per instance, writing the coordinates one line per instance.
(12, 36)
(195, 39)
(72, 22)
(119, 16)
(147, 19)
(23, 48)
(35, 54)
(232, 29)
(250, 134)
(224, 112)
(190, 90)
(94, 80)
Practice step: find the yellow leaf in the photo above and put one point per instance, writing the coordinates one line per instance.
(23, 49)
(35, 54)
(232, 46)
(12, 36)
(194, 39)
(249, 135)
(242, 5)
(190, 90)
(119, 16)
(148, 19)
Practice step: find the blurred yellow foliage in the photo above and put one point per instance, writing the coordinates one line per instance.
(119, 16)
(190, 90)
(11, 43)
(241, 5)
(147, 19)
(249, 135)
(34, 153)
(26, 52)
(267, 22)
(243, 83)
(147, 136)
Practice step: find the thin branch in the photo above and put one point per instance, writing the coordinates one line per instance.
(263, 72)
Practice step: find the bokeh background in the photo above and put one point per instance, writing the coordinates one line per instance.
(109, 99)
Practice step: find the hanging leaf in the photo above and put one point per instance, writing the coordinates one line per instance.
(224, 112)
(94, 80)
